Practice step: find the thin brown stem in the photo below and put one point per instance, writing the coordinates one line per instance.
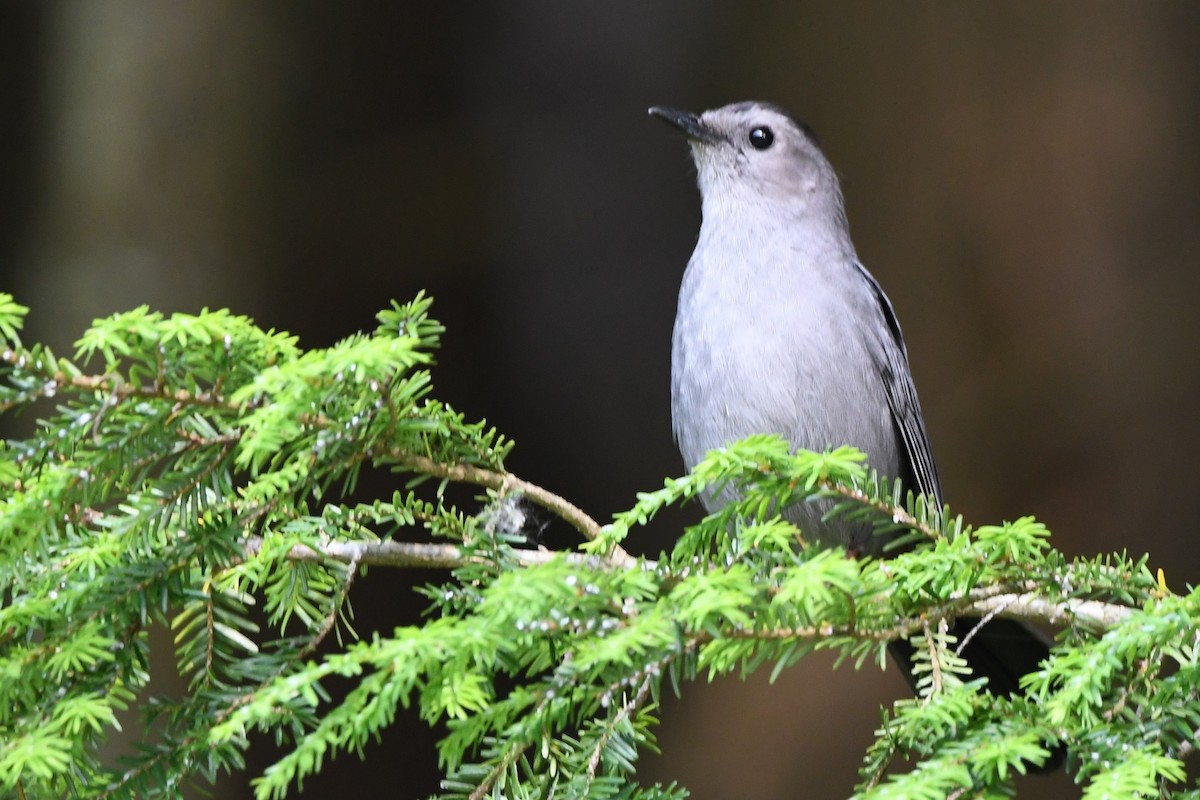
(1013, 602)
(419, 555)
(896, 512)
(331, 618)
(507, 483)
(934, 662)
(623, 713)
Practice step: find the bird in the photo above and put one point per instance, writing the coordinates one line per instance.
(780, 329)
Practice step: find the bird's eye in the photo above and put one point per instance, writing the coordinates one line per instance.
(761, 138)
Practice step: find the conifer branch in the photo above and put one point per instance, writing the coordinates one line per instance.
(1020, 603)
(1090, 614)
(898, 513)
(174, 485)
(422, 555)
(506, 483)
(114, 386)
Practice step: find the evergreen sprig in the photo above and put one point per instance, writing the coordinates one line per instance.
(196, 473)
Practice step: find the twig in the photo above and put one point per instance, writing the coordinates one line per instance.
(485, 786)
(507, 483)
(622, 714)
(428, 556)
(897, 512)
(935, 663)
(335, 609)
(1091, 614)
(995, 612)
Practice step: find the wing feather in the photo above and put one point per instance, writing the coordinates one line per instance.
(892, 362)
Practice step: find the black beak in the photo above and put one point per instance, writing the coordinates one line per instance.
(691, 125)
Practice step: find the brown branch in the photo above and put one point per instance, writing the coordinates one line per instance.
(984, 620)
(335, 608)
(485, 786)
(118, 391)
(1015, 603)
(118, 388)
(1091, 614)
(122, 391)
(935, 664)
(507, 483)
(897, 512)
(623, 713)
(420, 555)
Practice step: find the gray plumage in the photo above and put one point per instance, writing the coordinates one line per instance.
(780, 329)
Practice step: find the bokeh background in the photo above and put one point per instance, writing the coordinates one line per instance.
(1023, 178)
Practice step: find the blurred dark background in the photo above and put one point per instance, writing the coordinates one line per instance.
(1023, 178)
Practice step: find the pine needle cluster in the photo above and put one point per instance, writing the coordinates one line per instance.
(195, 471)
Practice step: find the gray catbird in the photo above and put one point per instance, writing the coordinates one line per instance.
(781, 330)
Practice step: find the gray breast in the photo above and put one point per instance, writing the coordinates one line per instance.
(777, 354)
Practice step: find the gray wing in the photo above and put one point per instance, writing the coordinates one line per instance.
(892, 362)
